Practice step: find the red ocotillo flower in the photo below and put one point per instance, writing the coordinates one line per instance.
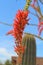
(19, 24)
(40, 24)
(40, 31)
(19, 49)
(40, 27)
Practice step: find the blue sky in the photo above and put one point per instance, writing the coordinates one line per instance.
(8, 9)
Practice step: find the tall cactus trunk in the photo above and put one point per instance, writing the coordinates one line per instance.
(29, 56)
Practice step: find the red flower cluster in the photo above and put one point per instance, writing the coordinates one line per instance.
(19, 49)
(40, 27)
(19, 24)
(18, 28)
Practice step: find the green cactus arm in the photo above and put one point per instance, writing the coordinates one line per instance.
(29, 56)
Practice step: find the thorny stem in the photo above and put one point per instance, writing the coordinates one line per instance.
(39, 8)
(36, 10)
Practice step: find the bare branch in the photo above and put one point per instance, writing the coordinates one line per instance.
(41, 1)
(34, 14)
(36, 10)
(32, 24)
(39, 8)
(12, 24)
(5, 23)
(34, 35)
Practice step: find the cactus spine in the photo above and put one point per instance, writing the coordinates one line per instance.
(29, 56)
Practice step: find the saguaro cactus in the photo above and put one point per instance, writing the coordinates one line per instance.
(29, 56)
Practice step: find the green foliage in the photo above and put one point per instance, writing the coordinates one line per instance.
(29, 56)
(8, 62)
